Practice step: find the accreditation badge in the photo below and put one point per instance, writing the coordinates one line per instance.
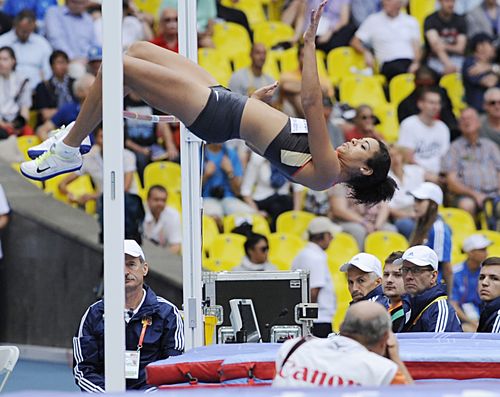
(132, 360)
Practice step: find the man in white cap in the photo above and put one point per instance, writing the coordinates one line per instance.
(464, 297)
(313, 258)
(426, 305)
(364, 279)
(489, 292)
(153, 330)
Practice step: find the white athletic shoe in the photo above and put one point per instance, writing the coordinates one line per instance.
(54, 136)
(49, 164)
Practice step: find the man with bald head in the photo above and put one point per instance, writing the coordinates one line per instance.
(472, 165)
(490, 121)
(365, 353)
(167, 30)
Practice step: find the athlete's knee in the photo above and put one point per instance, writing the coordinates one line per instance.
(139, 49)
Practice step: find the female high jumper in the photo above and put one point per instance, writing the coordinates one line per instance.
(301, 149)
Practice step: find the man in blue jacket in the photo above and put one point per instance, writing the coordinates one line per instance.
(364, 279)
(488, 288)
(153, 328)
(426, 304)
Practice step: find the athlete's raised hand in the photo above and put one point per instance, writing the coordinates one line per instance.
(265, 94)
(310, 33)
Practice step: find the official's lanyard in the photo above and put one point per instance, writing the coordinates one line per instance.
(146, 320)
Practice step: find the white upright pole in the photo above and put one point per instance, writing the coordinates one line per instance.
(191, 195)
(114, 284)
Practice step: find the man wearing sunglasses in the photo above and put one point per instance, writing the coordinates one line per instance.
(426, 305)
(256, 252)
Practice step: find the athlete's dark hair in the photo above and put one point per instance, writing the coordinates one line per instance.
(371, 189)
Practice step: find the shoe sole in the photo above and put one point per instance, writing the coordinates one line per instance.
(44, 178)
(33, 154)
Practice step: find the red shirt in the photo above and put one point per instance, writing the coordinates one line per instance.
(160, 41)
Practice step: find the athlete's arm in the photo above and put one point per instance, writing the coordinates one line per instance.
(326, 167)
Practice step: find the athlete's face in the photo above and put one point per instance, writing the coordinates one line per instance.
(361, 283)
(135, 271)
(417, 279)
(355, 153)
(393, 280)
(488, 285)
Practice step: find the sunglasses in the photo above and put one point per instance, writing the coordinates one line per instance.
(493, 102)
(167, 20)
(263, 249)
(415, 270)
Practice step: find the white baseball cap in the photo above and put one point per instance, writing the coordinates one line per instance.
(323, 224)
(366, 262)
(419, 255)
(130, 247)
(428, 191)
(475, 242)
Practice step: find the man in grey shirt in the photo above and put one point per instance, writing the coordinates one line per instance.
(490, 121)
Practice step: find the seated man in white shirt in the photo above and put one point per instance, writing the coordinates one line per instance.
(365, 353)
(256, 255)
(162, 224)
(314, 259)
(426, 139)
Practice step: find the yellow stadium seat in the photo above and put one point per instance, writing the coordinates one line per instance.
(494, 237)
(209, 232)
(453, 85)
(80, 186)
(25, 142)
(461, 223)
(382, 244)
(320, 62)
(342, 248)
(258, 222)
(457, 256)
(228, 250)
(174, 200)
(217, 265)
(389, 124)
(421, 9)
(283, 248)
(163, 173)
(232, 39)
(294, 222)
(343, 298)
(216, 63)
(272, 33)
(358, 90)
(271, 68)
(17, 167)
(151, 7)
(141, 192)
(341, 61)
(252, 9)
(288, 59)
(400, 87)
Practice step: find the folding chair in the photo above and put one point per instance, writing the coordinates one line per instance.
(8, 359)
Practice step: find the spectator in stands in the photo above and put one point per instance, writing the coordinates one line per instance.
(489, 292)
(293, 13)
(479, 72)
(364, 279)
(15, 97)
(363, 124)
(426, 304)
(68, 112)
(407, 176)
(313, 258)
(256, 252)
(290, 85)
(490, 121)
(472, 165)
(141, 137)
(394, 289)
(426, 138)
(162, 224)
(222, 176)
(54, 93)
(335, 29)
(465, 297)
(362, 9)
(94, 58)
(431, 230)
(69, 28)
(394, 37)
(426, 78)
(316, 202)
(266, 189)
(4, 216)
(93, 166)
(143, 312)
(485, 18)
(445, 39)
(32, 50)
(358, 219)
(246, 80)
(38, 7)
(167, 30)
(365, 353)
